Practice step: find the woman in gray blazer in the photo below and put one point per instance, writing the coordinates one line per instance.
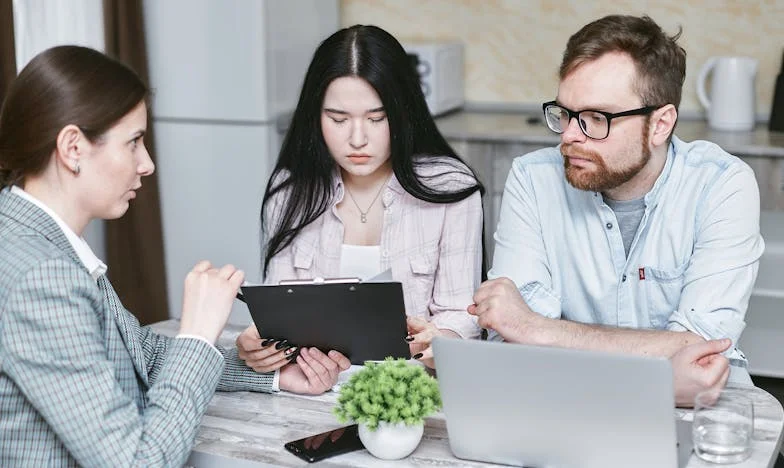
(80, 381)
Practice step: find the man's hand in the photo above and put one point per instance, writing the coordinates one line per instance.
(315, 372)
(699, 367)
(499, 305)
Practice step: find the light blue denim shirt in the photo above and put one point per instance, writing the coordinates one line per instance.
(692, 263)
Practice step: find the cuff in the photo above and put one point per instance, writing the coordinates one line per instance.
(462, 323)
(200, 338)
(729, 327)
(541, 300)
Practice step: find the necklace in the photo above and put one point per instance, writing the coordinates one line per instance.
(363, 214)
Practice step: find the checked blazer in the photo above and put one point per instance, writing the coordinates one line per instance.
(81, 383)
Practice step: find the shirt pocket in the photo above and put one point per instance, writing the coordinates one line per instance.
(422, 277)
(663, 293)
(303, 260)
(423, 264)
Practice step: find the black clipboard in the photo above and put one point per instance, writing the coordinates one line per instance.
(364, 321)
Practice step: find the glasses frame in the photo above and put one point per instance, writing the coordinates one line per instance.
(645, 110)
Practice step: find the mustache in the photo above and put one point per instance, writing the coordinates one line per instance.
(568, 149)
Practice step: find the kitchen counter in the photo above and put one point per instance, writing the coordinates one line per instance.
(499, 127)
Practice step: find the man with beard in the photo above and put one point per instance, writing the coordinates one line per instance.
(625, 238)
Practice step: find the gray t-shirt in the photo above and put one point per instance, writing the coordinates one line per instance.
(629, 214)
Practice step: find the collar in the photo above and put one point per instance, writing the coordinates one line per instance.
(88, 258)
(653, 196)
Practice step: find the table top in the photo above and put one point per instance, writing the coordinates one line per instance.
(249, 429)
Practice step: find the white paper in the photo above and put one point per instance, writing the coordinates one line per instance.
(383, 277)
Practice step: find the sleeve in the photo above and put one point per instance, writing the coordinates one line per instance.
(723, 267)
(236, 375)
(459, 267)
(520, 253)
(52, 337)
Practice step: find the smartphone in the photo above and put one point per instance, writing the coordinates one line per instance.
(327, 444)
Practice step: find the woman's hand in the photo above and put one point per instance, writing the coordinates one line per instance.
(314, 373)
(263, 355)
(207, 298)
(420, 334)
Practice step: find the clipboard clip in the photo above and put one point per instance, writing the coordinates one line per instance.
(319, 280)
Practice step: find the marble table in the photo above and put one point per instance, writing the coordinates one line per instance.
(247, 430)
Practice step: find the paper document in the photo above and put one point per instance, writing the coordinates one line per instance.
(383, 277)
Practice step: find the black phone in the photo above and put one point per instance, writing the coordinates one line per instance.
(327, 444)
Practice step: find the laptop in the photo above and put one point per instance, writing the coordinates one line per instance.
(554, 407)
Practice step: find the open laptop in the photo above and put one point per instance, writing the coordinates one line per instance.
(554, 407)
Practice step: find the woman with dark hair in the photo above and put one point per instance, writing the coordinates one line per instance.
(81, 383)
(365, 182)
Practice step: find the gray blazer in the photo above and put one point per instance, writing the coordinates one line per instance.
(80, 381)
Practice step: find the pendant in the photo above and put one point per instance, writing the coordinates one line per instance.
(363, 217)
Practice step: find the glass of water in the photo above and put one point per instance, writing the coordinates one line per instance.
(723, 426)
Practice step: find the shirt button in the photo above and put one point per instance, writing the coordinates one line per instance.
(385, 254)
(623, 278)
(609, 225)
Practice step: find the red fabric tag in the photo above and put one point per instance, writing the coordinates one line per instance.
(642, 273)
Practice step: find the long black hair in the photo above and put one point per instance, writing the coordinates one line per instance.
(305, 168)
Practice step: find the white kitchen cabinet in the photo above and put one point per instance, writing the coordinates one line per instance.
(492, 160)
(764, 334)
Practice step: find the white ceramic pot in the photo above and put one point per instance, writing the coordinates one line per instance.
(391, 441)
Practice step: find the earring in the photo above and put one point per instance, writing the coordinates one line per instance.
(77, 169)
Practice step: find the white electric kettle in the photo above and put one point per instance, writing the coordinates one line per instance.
(731, 105)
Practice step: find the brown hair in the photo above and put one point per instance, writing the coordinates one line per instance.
(659, 60)
(61, 86)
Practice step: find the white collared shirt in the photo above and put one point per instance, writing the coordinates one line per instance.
(88, 258)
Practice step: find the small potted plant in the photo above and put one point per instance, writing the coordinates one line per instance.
(389, 400)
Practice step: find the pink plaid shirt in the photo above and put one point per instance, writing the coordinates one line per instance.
(434, 250)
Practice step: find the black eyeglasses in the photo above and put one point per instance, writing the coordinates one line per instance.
(593, 123)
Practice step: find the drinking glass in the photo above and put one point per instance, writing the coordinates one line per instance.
(723, 426)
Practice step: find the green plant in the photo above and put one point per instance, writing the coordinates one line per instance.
(393, 391)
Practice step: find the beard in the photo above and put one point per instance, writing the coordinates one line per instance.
(602, 178)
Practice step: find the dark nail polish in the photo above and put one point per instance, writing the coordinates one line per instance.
(292, 356)
(409, 338)
(417, 356)
(268, 341)
(280, 345)
(290, 349)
